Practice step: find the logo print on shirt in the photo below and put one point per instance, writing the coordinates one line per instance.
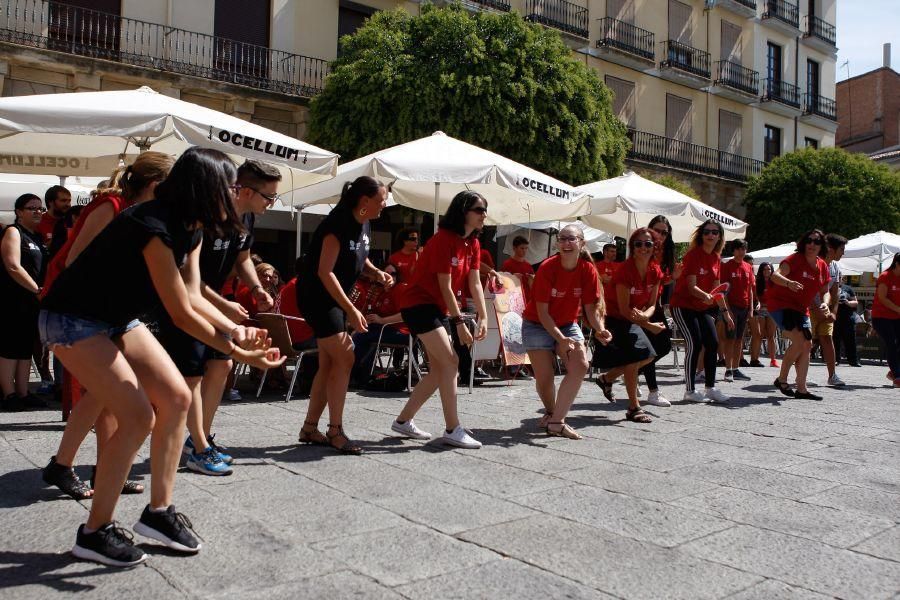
(555, 293)
(221, 244)
(702, 271)
(577, 292)
(454, 261)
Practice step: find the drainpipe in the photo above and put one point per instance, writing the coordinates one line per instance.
(170, 15)
(706, 13)
(797, 83)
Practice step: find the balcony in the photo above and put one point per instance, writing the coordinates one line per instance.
(744, 8)
(819, 34)
(735, 82)
(99, 35)
(565, 16)
(820, 112)
(684, 64)
(781, 97)
(498, 5)
(658, 150)
(625, 44)
(782, 15)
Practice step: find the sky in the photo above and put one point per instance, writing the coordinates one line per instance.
(863, 26)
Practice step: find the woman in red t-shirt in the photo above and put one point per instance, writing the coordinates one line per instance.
(886, 316)
(563, 285)
(694, 308)
(798, 279)
(629, 312)
(402, 262)
(127, 186)
(765, 326)
(450, 262)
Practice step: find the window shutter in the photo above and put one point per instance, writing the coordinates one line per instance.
(678, 118)
(730, 131)
(623, 99)
(680, 22)
(623, 10)
(731, 42)
(243, 20)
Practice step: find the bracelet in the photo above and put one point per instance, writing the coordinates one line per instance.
(456, 320)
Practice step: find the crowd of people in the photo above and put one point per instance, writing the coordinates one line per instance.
(152, 350)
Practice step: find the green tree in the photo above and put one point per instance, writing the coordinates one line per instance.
(490, 79)
(831, 189)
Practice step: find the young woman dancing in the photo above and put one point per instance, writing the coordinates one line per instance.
(886, 316)
(765, 326)
(739, 275)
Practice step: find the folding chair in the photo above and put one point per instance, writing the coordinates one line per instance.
(677, 339)
(276, 324)
(409, 349)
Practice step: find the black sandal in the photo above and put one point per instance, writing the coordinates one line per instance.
(67, 480)
(806, 396)
(307, 437)
(784, 388)
(607, 388)
(637, 415)
(348, 447)
(129, 487)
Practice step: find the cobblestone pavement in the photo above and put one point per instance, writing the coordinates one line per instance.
(764, 498)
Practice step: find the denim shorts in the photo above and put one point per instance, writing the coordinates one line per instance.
(58, 328)
(789, 320)
(535, 337)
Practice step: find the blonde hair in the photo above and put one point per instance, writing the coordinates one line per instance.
(129, 181)
(600, 307)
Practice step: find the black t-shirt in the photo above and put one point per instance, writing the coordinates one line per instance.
(32, 257)
(845, 292)
(353, 240)
(109, 281)
(218, 254)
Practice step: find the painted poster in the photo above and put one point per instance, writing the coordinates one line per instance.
(509, 304)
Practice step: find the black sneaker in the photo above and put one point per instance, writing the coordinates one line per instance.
(744, 362)
(12, 403)
(32, 401)
(109, 545)
(755, 363)
(66, 479)
(171, 528)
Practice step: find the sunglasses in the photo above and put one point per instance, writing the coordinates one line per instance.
(478, 209)
(643, 244)
(35, 209)
(816, 241)
(711, 232)
(662, 232)
(270, 198)
(569, 239)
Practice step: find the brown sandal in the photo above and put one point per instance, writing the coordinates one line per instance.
(563, 431)
(348, 447)
(544, 420)
(637, 415)
(310, 434)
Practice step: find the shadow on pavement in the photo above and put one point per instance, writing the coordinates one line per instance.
(30, 568)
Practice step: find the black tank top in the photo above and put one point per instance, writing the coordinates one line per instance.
(32, 256)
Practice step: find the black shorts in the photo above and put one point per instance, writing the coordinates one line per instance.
(739, 315)
(629, 345)
(188, 354)
(423, 318)
(325, 321)
(20, 334)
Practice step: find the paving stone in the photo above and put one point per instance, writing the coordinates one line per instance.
(776, 590)
(751, 440)
(870, 444)
(764, 481)
(48, 576)
(333, 586)
(884, 545)
(885, 477)
(641, 483)
(804, 563)
(854, 498)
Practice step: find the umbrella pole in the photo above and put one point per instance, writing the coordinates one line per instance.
(437, 194)
(299, 249)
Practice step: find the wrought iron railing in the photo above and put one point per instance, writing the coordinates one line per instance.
(625, 37)
(814, 104)
(782, 91)
(737, 76)
(686, 58)
(559, 14)
(95, 34)
(747, 3)
(502, 5)
(816, 27)
(783, 10)
(669, 152)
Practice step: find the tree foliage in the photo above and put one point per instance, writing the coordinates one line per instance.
(490, 79)
(829, 188)
(679, 185)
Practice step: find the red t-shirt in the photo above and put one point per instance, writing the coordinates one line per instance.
(706, 268)
(58, 263)
(740, 275)
(606, 269)
(386, 305)
(521, 267)
(879, 310)
(564, 291)
(813, 278)
(46, 227)
(445, 252)
(404, 263)
(300, 331)
(640, 289)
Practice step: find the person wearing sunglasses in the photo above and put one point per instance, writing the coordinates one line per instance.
(630, 318)
(694, 309)
(431, 305)
(797, 280)
(738, 273)
(565, 284)
(402, 262)
(886, 316)
(24, 257)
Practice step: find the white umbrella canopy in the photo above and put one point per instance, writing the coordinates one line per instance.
(542, 244)
(13, 185)
(878, 248)
(622, 204)
(427, 173)
(776, 254)
(88, 133)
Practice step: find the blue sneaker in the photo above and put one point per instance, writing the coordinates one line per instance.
(226, 458)
(208, 463)
(188, 448)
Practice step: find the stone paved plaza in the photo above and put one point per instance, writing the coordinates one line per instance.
(765, 498)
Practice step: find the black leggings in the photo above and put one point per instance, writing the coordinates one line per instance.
(662, 345)
(699, 331)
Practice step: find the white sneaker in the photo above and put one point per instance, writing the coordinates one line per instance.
(729, 377)
(460, 438)
(409, 429)
(657, 399)
(715, 395)
(834, 380)
(640, 392)
(695, 396)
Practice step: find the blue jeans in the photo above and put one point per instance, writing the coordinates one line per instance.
(889, 331)
(59, 328)
(535, 337)
(365, 345)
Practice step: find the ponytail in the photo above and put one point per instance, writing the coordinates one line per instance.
(128, 182)
(353, 191)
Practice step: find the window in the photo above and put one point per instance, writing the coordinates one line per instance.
(772, 143)
(621, 10)
(731, 42)
(351, 17)
(773, 61)
(730, 125)
(678, 118)
(811, 142)
(812, 78)
(623, 99)
(243, 20)
(680, 22)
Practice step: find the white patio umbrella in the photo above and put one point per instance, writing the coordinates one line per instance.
(622, 204)
(89, 133)
(776, 254)
(427, 173)
(13, 185)
(877, 248)
(543, 244)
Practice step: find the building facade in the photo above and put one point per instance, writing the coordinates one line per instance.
(869, 110)
(710, 89)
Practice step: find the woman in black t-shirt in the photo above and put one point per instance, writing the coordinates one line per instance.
(90, 321)
(337, 255)
(20, 282)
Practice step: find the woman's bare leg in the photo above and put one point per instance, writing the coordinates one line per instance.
(442, 369)
(544, 378)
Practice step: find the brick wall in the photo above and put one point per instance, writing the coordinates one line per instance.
(868, 111)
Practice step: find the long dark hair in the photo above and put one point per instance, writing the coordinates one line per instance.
(353, 191)
(697, 237)
(895, 262)
(802, 241)
(761, 279)
(668, 245)
(455, 218)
